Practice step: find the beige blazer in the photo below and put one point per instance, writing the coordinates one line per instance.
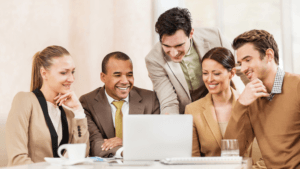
(206, 132)
(167, 77)
(100, 122)
(28, 138)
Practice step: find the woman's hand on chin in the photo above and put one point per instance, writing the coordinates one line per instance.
(68, 99)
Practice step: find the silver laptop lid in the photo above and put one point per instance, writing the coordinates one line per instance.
(155, 137)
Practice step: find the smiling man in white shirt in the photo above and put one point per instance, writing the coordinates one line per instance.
(105, 106)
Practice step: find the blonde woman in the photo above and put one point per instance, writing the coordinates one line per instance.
(50, 115)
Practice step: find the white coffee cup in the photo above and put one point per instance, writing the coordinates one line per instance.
(75, 151)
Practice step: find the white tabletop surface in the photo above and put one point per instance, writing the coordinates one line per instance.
(104, 165)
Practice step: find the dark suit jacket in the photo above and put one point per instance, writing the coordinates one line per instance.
(99, 116)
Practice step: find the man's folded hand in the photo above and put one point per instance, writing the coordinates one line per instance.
(111, 143)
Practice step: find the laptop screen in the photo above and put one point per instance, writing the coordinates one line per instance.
(155, 137)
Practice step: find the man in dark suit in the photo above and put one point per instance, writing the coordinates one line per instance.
(105, 106)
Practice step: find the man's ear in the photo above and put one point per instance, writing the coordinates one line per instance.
(192, 33)
(232, 72)
(43, 72)
(270, 54)
(102, 77)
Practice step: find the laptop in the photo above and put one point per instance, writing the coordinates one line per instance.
(156, 137)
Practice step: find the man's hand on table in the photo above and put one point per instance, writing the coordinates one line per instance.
(111, 143)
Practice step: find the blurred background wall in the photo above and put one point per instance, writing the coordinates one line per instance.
(91, 29)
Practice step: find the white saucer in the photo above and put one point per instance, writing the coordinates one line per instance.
(61, 161)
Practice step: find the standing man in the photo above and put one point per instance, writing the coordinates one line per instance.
(174, 64)
(106, 106)
(269, 107)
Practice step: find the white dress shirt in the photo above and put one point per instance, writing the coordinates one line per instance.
(125, 111)
(55, 116)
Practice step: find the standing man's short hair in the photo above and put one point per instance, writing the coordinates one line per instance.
(173, 20)
(261, 39)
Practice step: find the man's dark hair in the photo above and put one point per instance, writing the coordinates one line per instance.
(172, 20)
(262, 41)
(116, 55)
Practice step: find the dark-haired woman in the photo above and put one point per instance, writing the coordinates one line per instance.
(212, 113)
(50, 115)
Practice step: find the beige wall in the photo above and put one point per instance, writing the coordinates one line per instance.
(295, 35)
(89, 29)
(204, 13)
(234, 17)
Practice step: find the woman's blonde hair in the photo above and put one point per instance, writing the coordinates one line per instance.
(44, 59)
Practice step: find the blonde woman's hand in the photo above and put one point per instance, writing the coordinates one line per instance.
(68, 99)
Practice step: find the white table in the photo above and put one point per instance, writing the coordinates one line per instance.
(156, 165)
